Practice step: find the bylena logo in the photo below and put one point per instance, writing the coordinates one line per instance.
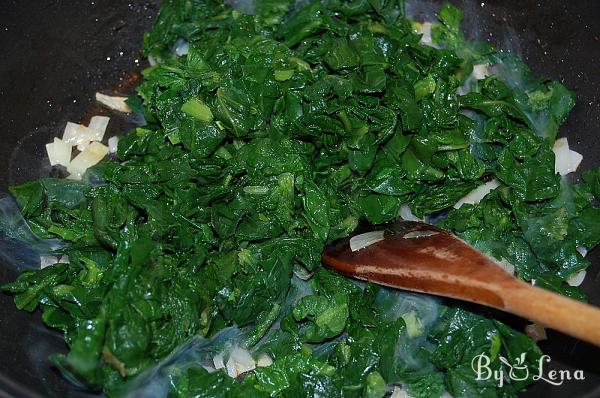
(520, 371)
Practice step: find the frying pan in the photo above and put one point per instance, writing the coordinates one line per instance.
(56, 54)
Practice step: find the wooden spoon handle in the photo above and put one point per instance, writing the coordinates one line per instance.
(569, 316)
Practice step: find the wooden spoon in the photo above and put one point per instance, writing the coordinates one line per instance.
(420, 257)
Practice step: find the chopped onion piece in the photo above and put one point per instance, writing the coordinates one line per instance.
(113, 143)
(480, 71)
(76, 134)
(231, 368)
(115, 103)
(263, 361)
(398, 393)
(566, 160)
(367, 239)
(99, 123)
(425, 30)
(582, 250)
(407, 214)
(209, 368)
(51, 259)
(182, 47)
(98, 149)
(93, 154)
(218, 361)
(536, 331)
(240, 361)
(506, 266)
(576, 279)
(575, 160)
(47, 260)
(478, 193)
(562, 160)
(59, 152)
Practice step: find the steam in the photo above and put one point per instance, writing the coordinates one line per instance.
(420, 308)
(298, 288)
(506, 69)
(157, 381)
(505, 66)
(20, 248)
(323, 350)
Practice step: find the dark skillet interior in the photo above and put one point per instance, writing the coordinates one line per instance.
(56, 54)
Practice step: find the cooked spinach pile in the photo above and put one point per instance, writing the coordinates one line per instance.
(274, 136)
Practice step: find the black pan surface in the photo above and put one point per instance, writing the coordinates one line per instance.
(56, 54)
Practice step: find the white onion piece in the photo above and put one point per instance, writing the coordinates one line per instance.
(113, 143)
(93, 154)
(231, 369)
(566, 160)
(240, 361)
(209, 368)
(263, 361)
(99, 123)
(182, 47)
(478, 193)
(218, 361)
(562, 161)
(576, 279)
(582, 250)
(98, 149)
(59, 152)
(367, 239)
(398, 393)
(536, 331)
(575, 160)
(506, 266)
(115, 103)
(64, 259)
(407, 214)
(426, 32)
(76, 134)
(47, 260)
(480, 71)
